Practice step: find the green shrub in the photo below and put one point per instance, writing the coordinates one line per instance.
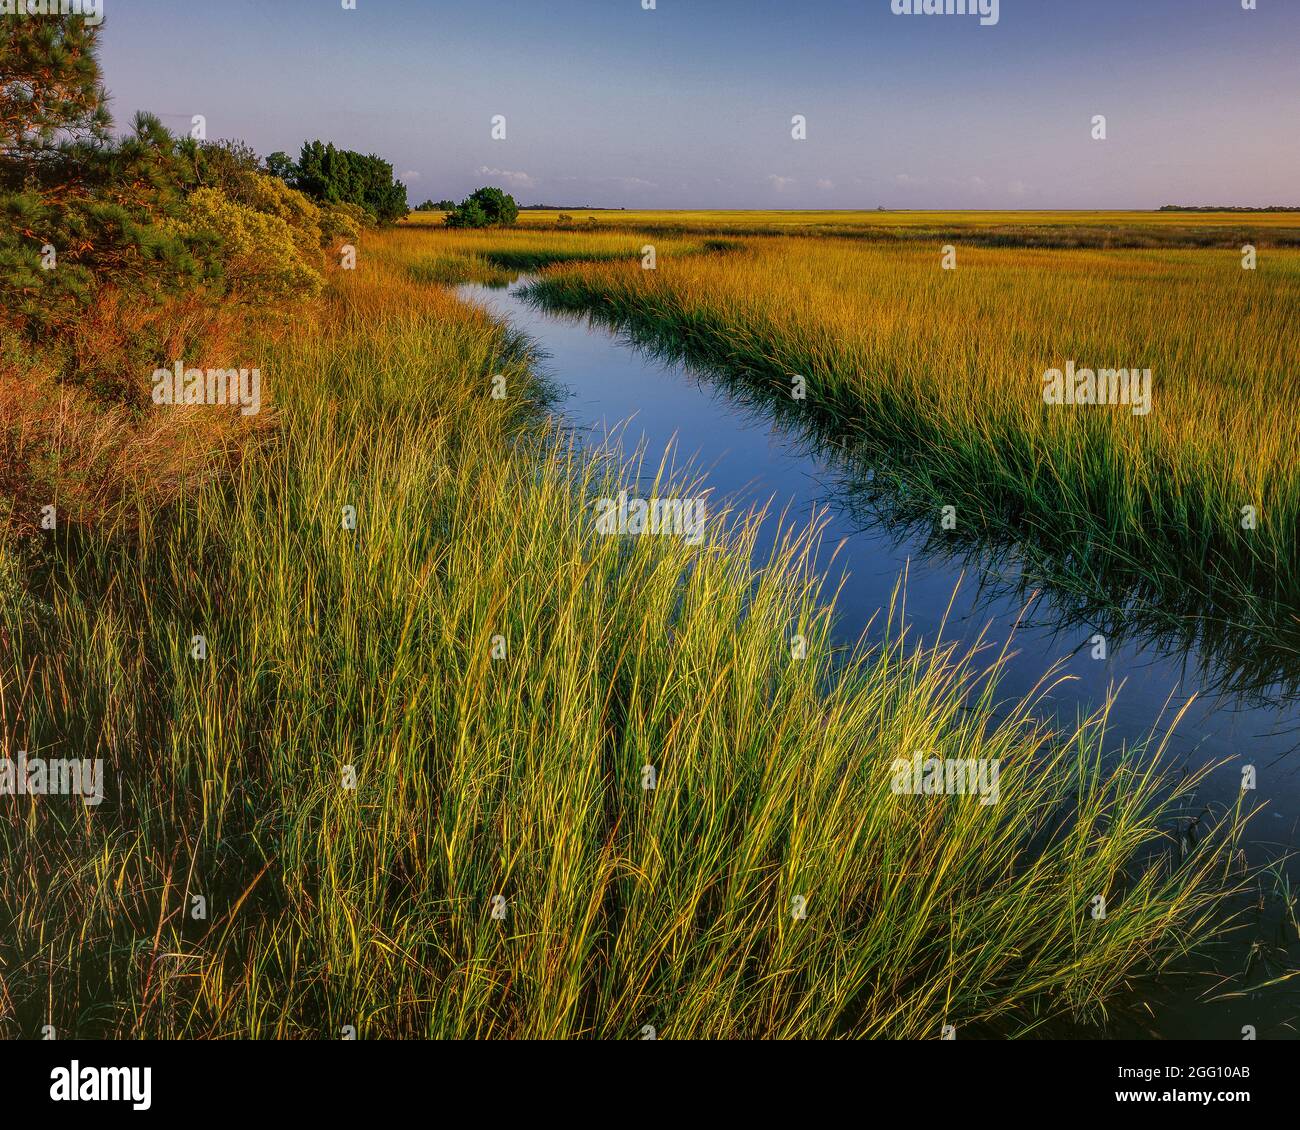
(486, 207)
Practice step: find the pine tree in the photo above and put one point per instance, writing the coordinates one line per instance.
(52, 100)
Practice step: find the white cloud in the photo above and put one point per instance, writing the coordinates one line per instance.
(825, 184)
(619, 182)
(514, 179)
(409, 175)
(780, 183)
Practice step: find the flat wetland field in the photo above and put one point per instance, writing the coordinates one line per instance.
(459, 764)
(1190, 228)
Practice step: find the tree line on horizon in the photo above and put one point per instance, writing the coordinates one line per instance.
(1225, 208)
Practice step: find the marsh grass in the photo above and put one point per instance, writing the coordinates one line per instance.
(452, 270)
(1046, 229)
(521, 777)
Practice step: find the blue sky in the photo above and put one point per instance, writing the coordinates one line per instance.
(689, 105)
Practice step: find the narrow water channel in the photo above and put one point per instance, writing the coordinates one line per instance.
(618, 389)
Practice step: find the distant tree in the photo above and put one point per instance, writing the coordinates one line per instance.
(500, 206)
(483, 208)
(340, 176)
(467, 214)
(281, 165)
(436, 206)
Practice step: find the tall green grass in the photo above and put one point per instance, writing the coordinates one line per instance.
(371, 651)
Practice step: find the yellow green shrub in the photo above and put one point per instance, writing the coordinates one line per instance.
(264, 254)
(341, 222)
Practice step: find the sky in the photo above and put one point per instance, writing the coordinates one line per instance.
(690, 104)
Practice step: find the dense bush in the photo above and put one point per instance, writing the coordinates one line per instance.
(467, 214)
(340, 176)
(341, 223)
(154, 217)
(483, 208)
(82, 208)
(264, 256)
(148, 215)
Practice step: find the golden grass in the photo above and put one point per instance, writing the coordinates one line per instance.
(1064, 230)
(89, 446)
(709, 219)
